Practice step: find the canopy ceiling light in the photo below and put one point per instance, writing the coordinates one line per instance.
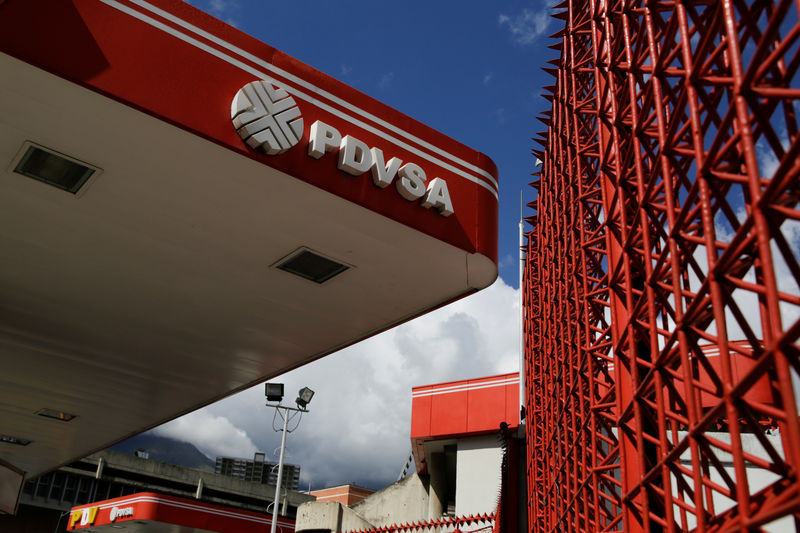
(56, 414)
(311, 265)
(48, 166)
(10, 439)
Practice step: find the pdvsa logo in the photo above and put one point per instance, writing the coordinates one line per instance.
(118, 513)
(266, 117)
(269, 120)
(83, 517)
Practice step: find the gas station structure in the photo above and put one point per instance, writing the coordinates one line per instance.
(186, 211)
(148, 512)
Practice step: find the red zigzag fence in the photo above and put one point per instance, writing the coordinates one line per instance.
(462, 524)
(662, 284)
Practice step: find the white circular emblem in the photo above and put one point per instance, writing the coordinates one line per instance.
(116, 513)
(266, 117)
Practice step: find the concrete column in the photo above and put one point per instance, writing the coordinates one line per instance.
(436, 489)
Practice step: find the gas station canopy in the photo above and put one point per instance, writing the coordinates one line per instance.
(186, 211)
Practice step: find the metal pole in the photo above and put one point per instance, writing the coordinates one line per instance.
(521, 314)
(280, 471)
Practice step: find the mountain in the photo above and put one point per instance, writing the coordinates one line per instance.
(166, 450)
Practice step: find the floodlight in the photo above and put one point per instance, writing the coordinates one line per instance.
(303, 397)
(273, 391)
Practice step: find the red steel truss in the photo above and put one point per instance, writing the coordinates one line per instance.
(662, 286)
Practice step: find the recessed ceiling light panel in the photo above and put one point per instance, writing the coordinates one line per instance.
(311, 265)
(55, 414)
(54, 168)
(8, 439)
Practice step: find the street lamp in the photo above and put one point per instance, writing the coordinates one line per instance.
(274, 393)
(304, 396)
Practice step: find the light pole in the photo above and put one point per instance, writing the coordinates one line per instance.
(274, 392)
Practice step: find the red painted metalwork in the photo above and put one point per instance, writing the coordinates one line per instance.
(662, 282)
(463, 524)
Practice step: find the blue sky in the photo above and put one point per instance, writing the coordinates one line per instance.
(468, 69)
(473, 71)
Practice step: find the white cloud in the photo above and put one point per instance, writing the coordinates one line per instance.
(527, 26)
(211, 434)
(487, 78)
(358, 426)
(768, 163)
(508, 260)
(219, 8)
(499, 115)
(386, 80)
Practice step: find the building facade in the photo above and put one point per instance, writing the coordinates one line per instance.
(467, 454)
(47, 499)
(258, 470)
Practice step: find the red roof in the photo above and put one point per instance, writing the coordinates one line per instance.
(344, 494)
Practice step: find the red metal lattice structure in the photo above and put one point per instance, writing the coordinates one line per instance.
(662, 284)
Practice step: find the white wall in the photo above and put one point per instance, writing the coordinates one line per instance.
(757, 478)
(477, 475)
